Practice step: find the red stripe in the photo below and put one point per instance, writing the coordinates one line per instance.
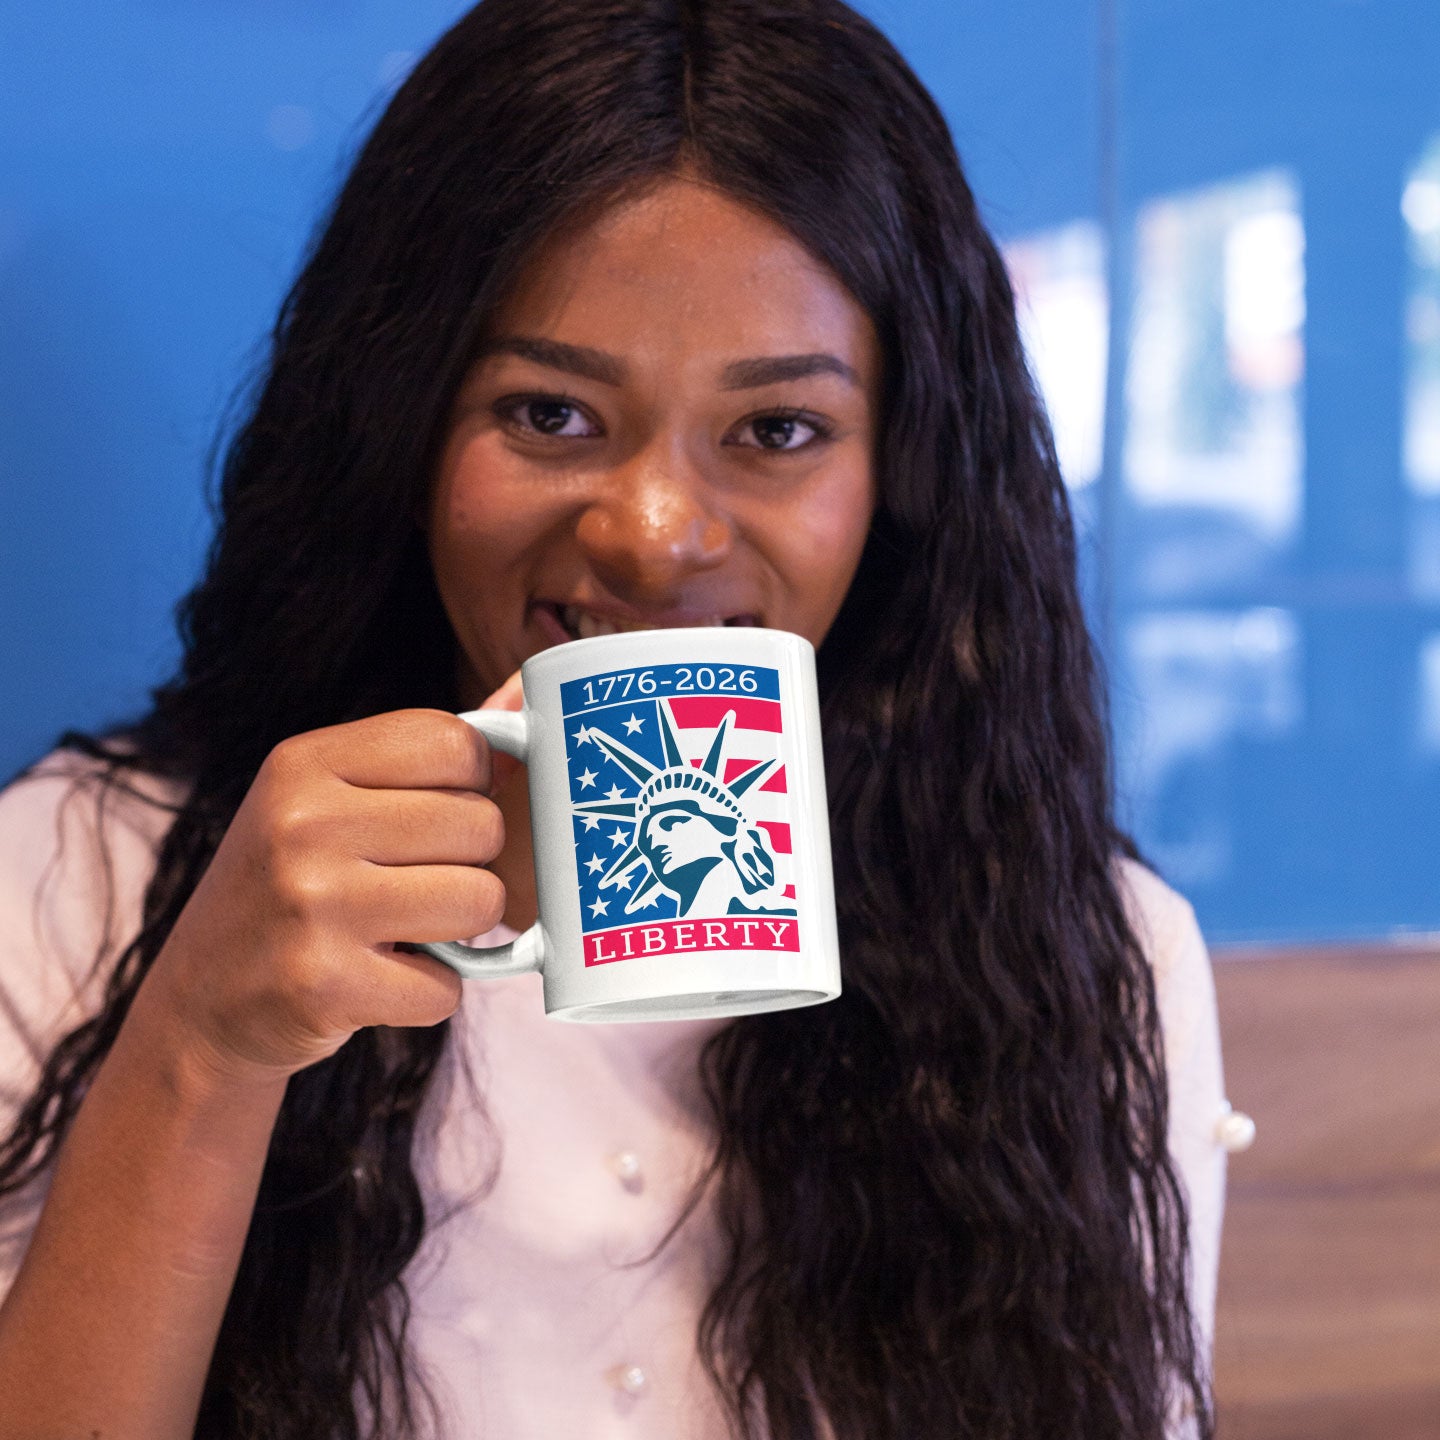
(788, 892)
(697, 712)
(779, 833)
(774, 781)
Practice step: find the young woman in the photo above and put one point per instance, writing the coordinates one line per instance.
(631, 314)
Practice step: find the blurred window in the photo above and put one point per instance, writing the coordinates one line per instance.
(1420, 205)
(1064, 309)
(1429, 707)
(1209, 680)
(1213, 455)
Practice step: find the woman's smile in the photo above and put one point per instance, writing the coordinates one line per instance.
(671, 422)
(577, 622)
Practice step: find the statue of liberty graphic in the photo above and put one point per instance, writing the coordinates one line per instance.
(691, 836)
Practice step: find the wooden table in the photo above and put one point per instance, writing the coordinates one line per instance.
(1328, 1324)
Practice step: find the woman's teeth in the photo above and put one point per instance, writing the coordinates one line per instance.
(586, 626)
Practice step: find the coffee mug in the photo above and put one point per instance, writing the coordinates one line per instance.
(682, 841)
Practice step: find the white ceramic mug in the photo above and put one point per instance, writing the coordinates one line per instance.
(682, 841)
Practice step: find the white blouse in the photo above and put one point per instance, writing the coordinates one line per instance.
(537, 1308)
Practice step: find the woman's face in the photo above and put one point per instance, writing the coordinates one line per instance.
(672, 423)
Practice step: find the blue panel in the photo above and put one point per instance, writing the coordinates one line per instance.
(1315, 817)
(1020, 85)
(1276, 671)
(161, 166)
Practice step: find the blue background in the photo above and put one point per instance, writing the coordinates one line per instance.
(162, 162)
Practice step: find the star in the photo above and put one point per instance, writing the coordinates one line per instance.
(633, 724)
(623, 881)
(581, 735)
(587, 778)
(599, 907)
(614, 793)
(617, 837)
(647, 902)
(592, 822)
(594, 863)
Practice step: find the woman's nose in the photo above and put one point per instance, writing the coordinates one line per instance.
(651, 526)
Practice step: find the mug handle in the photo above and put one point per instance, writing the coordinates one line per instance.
(506, 730)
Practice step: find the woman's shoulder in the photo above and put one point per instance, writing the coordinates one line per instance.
(1169, 934)
(77, 848)
(1166, 927)
(135, 798)
(67, 814)
(1163, 921)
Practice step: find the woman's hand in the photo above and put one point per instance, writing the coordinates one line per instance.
(350, 839)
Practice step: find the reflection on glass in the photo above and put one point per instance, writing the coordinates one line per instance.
(1204, 680)
(1214, 454)
(1059, 279)
(1420, 205)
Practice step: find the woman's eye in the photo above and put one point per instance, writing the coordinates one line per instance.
(780, 432)
(546, 415)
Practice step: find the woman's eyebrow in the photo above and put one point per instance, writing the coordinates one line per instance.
(772, 369)
(610, 370)
(556, 355)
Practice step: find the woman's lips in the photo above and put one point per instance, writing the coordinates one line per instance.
(578, 622)
(547, 618)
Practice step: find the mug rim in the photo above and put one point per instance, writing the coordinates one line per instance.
(557, 654)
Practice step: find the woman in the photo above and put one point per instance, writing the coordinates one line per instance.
(629, 314)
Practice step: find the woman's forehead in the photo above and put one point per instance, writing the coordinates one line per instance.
(684, 262)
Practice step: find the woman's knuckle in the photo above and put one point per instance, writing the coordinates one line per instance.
(289, 758)
(457, 743)
(293, 822)
(302, 887)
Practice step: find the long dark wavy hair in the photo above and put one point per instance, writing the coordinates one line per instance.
(947, 1198)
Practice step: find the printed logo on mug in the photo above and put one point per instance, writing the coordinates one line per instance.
(681, 836)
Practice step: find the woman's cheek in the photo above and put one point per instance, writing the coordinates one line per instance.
(823, 556)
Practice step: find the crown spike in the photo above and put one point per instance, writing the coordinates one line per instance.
(741, 783)
(626, 860)
(620, 809)
(668, 740)
(643, 889)
(717, 745)
(639, 767)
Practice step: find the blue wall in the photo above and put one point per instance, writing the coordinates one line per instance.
(1255, 553)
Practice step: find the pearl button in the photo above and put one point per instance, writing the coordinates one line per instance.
(1234, 1130)
(626, 1165)
(629, 1379)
